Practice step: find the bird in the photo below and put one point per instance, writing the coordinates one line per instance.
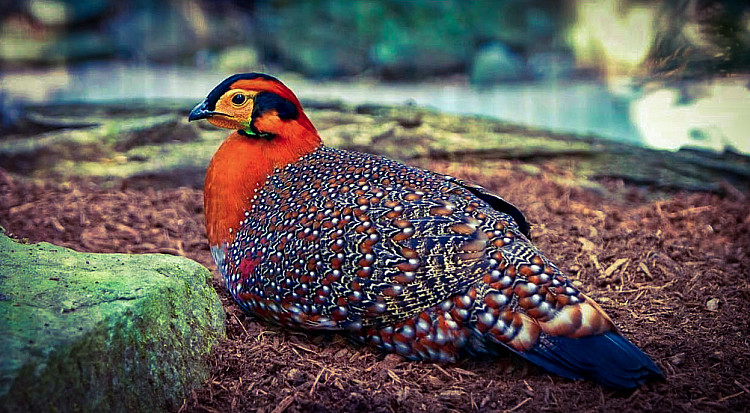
(410, 261)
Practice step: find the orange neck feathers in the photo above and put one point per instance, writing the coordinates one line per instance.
(242, 164)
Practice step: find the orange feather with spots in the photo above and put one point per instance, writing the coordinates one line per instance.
(240, 166)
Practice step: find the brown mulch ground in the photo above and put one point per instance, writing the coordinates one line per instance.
(672, 273)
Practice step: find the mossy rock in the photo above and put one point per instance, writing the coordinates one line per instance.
(102, 332)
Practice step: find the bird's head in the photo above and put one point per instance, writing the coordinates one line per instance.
(257, 106)
(271, 131)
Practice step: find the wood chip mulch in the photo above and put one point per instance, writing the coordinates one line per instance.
(673, 273)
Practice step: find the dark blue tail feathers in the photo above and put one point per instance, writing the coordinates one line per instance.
(608, 358)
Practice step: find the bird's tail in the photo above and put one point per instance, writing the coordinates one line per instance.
(608, 358)
(578, 341)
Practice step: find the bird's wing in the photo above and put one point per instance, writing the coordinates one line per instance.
(435, 247)
(497, 203)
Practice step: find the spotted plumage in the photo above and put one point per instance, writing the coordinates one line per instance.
(410, 261)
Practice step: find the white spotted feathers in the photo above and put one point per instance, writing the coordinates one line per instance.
(408, 260)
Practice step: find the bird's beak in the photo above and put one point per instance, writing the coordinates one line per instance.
(200, 112)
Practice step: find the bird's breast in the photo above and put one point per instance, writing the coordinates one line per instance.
(237, 170)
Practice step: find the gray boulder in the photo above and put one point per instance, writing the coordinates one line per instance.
(102, 332)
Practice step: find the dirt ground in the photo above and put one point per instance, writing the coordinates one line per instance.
(672, 272)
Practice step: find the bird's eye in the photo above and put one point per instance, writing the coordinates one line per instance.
(238, 99)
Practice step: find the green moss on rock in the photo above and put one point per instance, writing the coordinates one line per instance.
(102, 332)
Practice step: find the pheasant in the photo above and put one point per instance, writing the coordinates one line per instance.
(410, 261)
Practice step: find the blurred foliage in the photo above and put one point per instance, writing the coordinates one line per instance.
(398, 39)
(700, 37)
(498, 40)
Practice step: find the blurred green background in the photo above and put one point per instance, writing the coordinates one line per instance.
(665, 74)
